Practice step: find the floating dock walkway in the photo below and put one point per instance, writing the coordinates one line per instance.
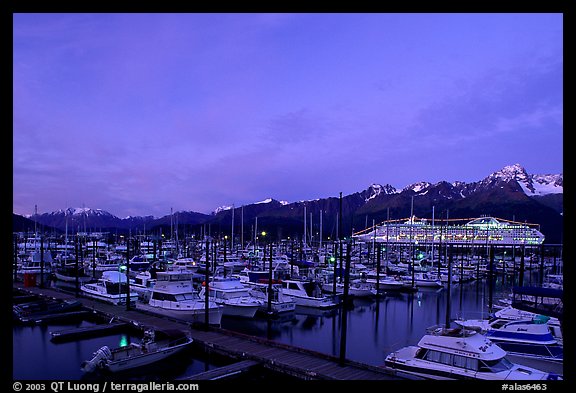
(294, 361)
(88, 331)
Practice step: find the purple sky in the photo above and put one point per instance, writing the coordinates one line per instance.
(140, 113)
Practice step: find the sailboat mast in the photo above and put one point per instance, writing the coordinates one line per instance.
(304, 237)
(232, 237)
(66, 237)
(320, 229)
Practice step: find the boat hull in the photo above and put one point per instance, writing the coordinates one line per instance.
(195, 315)
(116, 366)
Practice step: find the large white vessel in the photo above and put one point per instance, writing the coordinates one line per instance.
(483, 230)
(452, 354)
(174, 296)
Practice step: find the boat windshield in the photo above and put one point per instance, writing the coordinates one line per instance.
(495, 366)
(185, 296)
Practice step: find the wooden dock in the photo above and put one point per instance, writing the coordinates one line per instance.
(294, 361)
(88, 331)
(224, 372)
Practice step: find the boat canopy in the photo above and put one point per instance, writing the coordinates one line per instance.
(114, 276)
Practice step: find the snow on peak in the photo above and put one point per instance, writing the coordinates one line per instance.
(512, 172)
(376, 189)
(418, 187)
(373, 191)
(548, 184)
(267, 200)
(222, 208)
(531, 184)
(82, 211)
(284, 203)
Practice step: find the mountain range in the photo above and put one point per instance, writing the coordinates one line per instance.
(510, 193)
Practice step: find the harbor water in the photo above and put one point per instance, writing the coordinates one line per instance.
(375, 327)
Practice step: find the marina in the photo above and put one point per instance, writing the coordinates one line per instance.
(268, 199)
(310, 312)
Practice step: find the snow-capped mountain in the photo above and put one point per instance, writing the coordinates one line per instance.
(377, 189)
(509, 193)
(531, 184)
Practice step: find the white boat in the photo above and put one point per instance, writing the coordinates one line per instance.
(307, 294)
(387, 283)
(105, 262)
(360, 287)
(174, 296)
(422, 279)
(142, 284)
(155, 347)
(514, 314)
(183, 264)
(357, 288)
(35, 263)
(69, 273)
(140, 262)
(280, 302)
(111, 288)
(452, 354)
(529, 338)
(233, 296)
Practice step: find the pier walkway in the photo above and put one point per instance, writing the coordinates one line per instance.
(297, 362)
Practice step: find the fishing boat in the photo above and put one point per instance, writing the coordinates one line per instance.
(31, 311)
(358, 287)
(142, 284)
(183, 264)
(280, 302)
(174, 296)
(530, 338)
(140, 262)
(307, 293)
(423, 279)
(155, 346)
(453, 354)
(233, 296)
(70, 273)
(111, 288)
(35, 263)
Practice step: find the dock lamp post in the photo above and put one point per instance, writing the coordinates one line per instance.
(269, 309)
(123, 269)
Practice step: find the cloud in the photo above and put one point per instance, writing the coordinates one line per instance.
(524, 97)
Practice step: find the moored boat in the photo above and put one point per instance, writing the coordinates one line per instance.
(452, 354)
(155, 346)
(174, 296)
(307, 294)
(111, 288)
(280, 302)
(233, 296)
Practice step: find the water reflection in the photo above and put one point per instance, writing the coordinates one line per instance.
(378, 326)
(375, 327)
